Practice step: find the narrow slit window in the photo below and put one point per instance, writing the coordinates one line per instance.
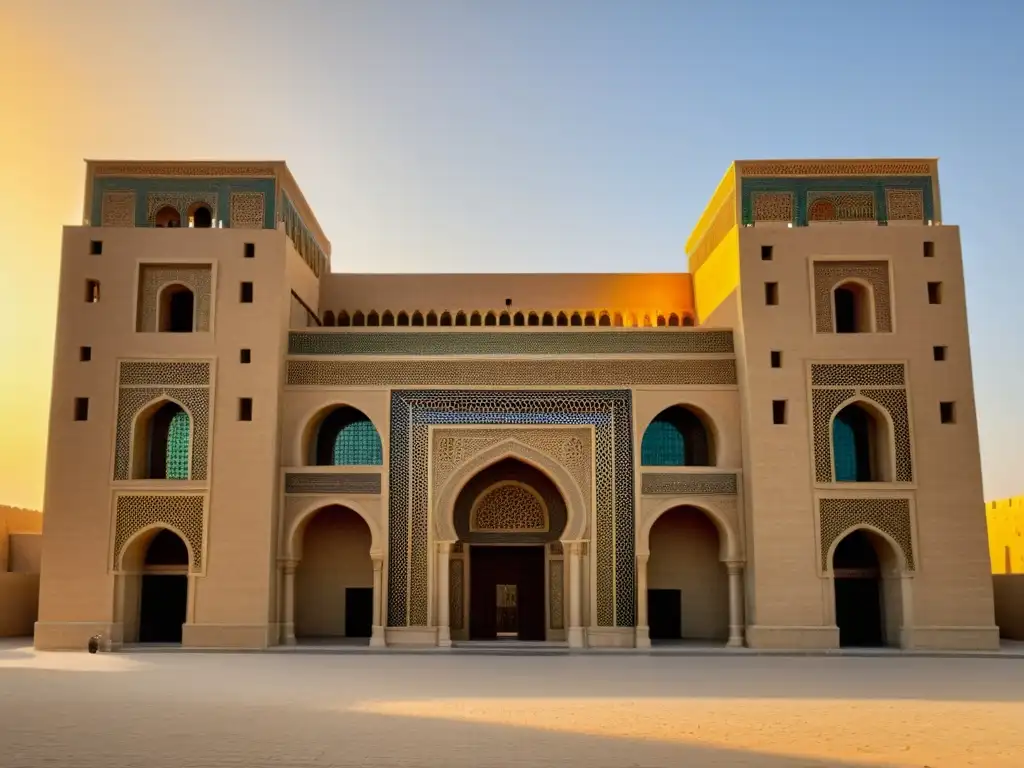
(939, 353)
(81, 409)
(771, 294)
(934, 293)
(776, 358)
(95, 247)
(245, 356)
(92, 291)
(246, 293)
(929, 249)
(250, 250)
(245, 409)
(767, 252)
(778, 411)
(84, 354)
(947, 413)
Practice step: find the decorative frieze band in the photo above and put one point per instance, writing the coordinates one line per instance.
(695, 483)
(332, 482)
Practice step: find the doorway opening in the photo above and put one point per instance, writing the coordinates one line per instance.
(868, 596)
(506, 598)
(163, 602)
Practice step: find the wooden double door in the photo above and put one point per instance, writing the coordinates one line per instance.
(506, 593)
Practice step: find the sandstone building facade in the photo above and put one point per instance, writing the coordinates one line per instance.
(777, 448)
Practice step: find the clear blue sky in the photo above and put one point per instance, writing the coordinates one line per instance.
(568, 136)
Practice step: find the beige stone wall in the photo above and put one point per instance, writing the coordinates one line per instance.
(335, 555)
(685, 556)
(952, 590)
(1009, 601)
(25, 552)
(19, 603)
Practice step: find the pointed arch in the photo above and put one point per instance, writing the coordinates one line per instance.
(328, 319)
(518, 319)
(341, 435)
(446, 318)
(730, 546)
(604, 320)
(292, 540)
(688, 321)
(562, 319)
(387, 318)
(577, 507)
(490, 319)
(343, 319)
(402, 318)
(617, 322)
(475, 319)
(161, 441)
(673, 320)
(176, 304)
(853, 306)
(417, 319)
(862, 441)
(533, 319)
(679, 436)
(504, 319)
(576, 319)
(358, 320)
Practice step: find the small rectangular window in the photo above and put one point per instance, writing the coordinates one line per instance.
(771, 294)
(81, 409)
(95, 247)
(245, 409)
(776, 359)
(92, 291)
(84, 354)
(766, 253)
(246, 293)
(929, 249)
(250, 250)
(934, 293)
(778, 411)
(245, 356)
(947, 413)
(939, 353)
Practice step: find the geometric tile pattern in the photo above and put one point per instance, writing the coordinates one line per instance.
(118, 209)
(829, 274)
(882, 383)
(143, 382)
(836, 168)
(669, 483)
(185, 512)
(154, 277)
(773, 206)
(456, 578)
(556, 594)
(247, 210)
(560, 372)
(509, 507)
(904, 204)
(837, 516)
(565, 342)
(609, 412)
(181, 202)
(840, 206)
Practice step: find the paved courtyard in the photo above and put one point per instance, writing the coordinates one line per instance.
(184, 710)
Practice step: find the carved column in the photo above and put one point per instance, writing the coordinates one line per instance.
(377, 631)
(907, 606)
(288, 620)
(444, 632)
(643, 629)
(575, 596)
(735, 605)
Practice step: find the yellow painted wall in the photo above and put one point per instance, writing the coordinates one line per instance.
(1006, 534)
(719, 275)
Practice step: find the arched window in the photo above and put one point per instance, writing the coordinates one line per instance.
(533, 319)
(417, 318)
(373, 319)
(618, 320)
(200, 217)
(660, 320)
(605, 320)
(576, 319)
(358, 319)
(387, 318)
(852, 306)
(688, 321)
(673, 320)
(167, 216)
(431, 318)
(460, 318)
(161, 443)
(446, 318)
(490, 319)
(677, 438)
(328, 318)
(859, 447)
(343, 319)
(548, 319)
(403, 318)
(562, 319)
(519, 319)
(505, 319)
(177, 309)
(589, 319)
(474, 319)
(346, 437)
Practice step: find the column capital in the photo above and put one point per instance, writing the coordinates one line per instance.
(288, 566)
(444, 547)
(734, 567)
(642, 558)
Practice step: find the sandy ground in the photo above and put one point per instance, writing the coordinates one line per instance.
(187, 710)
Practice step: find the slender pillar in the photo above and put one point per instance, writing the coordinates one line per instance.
(907, 613)
(444, 632)
(575, 596)
(377, 631)
(288, 629)
(735, 605)
(643, 629)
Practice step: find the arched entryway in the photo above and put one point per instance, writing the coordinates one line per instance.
(334, 577)
(507, 572)
(154, 587)
(868, 590)
(687, 582)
